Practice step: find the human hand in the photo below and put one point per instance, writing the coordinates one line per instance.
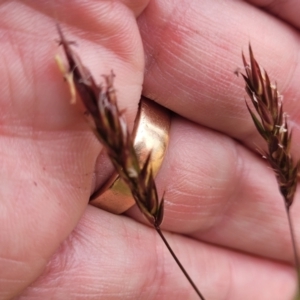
(219, 192)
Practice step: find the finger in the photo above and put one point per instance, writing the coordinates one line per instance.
(218, 191)
(94, 261)
(121, 52)
(47, 152)
(286, 10)
(191, 59)
(89, 10)
(190, 71)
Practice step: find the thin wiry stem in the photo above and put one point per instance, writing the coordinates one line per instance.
(271, 122)
(179, 264)
(296, 256)
(111, 130)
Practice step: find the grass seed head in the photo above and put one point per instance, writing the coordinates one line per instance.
(111, 130)
(271, 122)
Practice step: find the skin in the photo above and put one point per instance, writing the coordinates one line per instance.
(227, 219)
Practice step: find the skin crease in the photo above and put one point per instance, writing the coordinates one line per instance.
(222, 205)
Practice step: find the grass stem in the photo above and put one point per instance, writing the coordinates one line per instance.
(293, 238)
(179, 264)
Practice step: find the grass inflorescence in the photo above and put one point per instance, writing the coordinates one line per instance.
(271, 122)
(111, 130)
